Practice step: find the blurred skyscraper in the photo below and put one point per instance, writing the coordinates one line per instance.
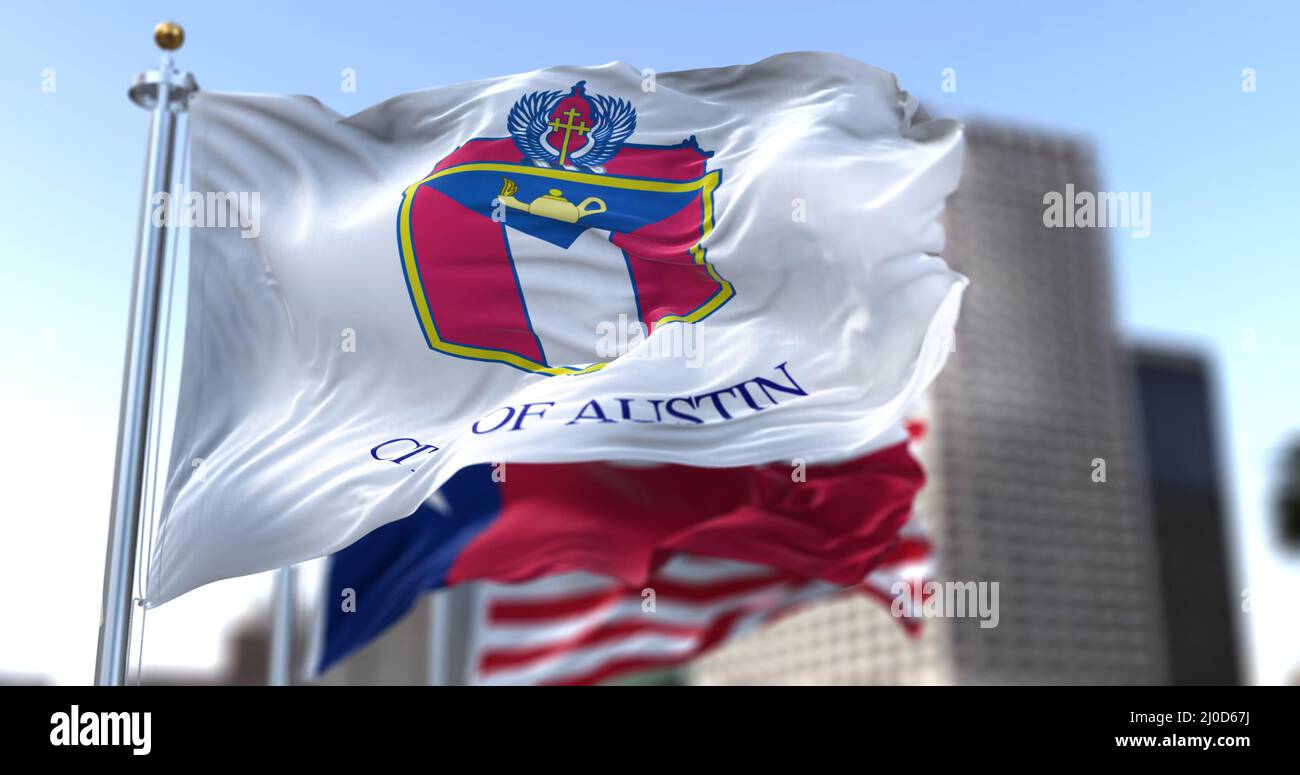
(1034, 408)
(1182, 461)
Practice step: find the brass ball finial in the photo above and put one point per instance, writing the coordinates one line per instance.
(169, 36)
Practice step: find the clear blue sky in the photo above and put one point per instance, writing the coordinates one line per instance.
(1155, 85)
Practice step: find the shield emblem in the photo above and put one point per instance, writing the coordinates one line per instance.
(516, 251)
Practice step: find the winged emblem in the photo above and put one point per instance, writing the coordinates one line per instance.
(573, 130)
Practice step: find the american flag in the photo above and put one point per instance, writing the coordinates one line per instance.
(578, 628)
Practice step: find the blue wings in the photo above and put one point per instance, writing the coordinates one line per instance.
(527, 123)
(615, 122)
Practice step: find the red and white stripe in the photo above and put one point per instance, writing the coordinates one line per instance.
(576, 628)
(580, 628)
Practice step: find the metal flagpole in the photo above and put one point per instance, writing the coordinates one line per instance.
(450, 634)
(165, 93)
(439, 666)
(281, 658)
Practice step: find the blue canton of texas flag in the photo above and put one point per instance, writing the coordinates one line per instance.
(393, 565)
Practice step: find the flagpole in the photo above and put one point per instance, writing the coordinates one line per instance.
(439, 666)
(165, 93)
(282, 628)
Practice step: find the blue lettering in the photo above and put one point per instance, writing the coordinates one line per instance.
(523, 412)
(416, 449)
(680, 415)
(597, 413)
(717, 401)
(510, 412)
(626, 403)
(764, 384)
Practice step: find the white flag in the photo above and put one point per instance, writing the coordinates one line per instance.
(719, 267)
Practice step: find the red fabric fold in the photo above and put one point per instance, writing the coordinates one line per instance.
(622, 521)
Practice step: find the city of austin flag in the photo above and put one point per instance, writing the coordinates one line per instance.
(713, 268)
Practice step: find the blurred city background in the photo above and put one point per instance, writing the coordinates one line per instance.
(1172, 358)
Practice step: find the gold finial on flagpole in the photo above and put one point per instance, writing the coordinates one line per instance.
(169, 36)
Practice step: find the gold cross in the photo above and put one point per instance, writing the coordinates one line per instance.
(569, 127)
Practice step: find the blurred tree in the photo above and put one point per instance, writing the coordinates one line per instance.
(1289, 498)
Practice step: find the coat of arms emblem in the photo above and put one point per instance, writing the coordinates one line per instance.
(516, 249)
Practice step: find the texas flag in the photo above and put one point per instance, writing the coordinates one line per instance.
(569, 555)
